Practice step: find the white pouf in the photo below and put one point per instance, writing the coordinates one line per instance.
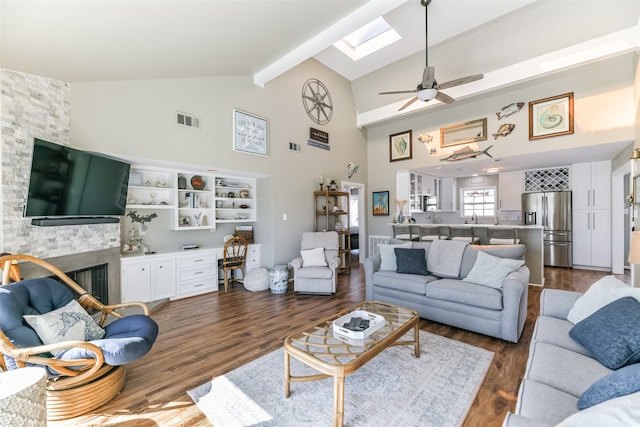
(257, 279)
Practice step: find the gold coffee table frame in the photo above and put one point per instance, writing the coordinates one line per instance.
(317, 347)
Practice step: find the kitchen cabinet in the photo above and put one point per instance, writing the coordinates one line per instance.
(449, 195)
(591, 190)
(592, 238)
(591, 185)
(510, 189)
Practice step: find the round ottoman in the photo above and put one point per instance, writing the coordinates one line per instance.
(257, 279)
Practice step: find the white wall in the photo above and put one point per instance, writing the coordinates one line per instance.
(136, 118)
(604, 113)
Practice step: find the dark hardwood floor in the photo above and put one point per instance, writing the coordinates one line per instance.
(207, 336)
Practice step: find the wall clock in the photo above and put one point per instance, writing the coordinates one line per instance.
(317, 101)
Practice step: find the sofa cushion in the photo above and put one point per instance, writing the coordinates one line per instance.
(410, 283)
(544, 403)
(618, 383)
(68, 323)
(411, 261)
(612, 334)
(556, 331)
(465, 293)
(388, 255)
(601, 293)
(621, 411)
(313, 257)
(563, 369)
(503, 251)
(490, 270)
(314, 273)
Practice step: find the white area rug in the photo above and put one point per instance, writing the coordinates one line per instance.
(393, 389)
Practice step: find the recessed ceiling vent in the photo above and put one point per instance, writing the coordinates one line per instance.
(187, 120)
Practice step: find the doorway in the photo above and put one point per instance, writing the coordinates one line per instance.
(357, 219)
(621, 221)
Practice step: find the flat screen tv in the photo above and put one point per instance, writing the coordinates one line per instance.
(71, 186)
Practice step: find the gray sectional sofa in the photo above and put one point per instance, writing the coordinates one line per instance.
(565, 383)
(443, 293)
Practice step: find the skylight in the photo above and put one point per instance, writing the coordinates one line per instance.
(368, 39)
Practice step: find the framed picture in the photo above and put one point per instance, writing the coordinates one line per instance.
(551, 116)
(250, 133)
(135, 178)
(463, 133)
(380, 203)
(400, 146)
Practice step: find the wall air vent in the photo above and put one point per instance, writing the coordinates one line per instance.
(188, 120)
(294, 147)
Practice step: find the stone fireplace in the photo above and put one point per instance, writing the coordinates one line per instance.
(86, 269)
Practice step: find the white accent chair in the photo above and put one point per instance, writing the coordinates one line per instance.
(317, 279)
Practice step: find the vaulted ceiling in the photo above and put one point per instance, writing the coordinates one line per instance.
(508, 41)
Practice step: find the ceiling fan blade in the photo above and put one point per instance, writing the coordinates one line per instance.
(460, 81)
(397, 91)
(411, 101)
(428, 77)
(442, 97)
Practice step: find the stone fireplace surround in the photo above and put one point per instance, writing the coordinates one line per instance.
(80, 261)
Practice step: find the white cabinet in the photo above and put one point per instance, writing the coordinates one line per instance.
(449, 196)
(592, 238)
(163, 278)
(591, 193)
(135, 280)
(591, 185)
(510, 189)
(197, 273)
(253, 257)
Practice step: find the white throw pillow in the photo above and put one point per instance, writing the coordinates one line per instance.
(490, 270)
(69, 323)
(313, 257)
(601, 293)
(388, 255)
(621, 411)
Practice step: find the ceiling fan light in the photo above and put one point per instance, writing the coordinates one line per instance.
(427, 94)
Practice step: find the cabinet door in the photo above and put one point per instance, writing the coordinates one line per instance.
(136, 282)
(449, 196)
(511, 187)
(581, 185)
(582, 237)
(253, 257)
(601, 185)
(163, 278)
(601, 238)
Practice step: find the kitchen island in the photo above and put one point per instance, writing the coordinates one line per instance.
(529, 235)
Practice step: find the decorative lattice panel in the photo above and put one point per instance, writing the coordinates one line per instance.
(553, 179)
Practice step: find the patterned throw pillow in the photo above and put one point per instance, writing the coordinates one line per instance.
(69, 323)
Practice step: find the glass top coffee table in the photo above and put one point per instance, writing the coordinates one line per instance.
(337, 356)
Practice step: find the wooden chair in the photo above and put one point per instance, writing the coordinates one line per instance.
(234, 257)
(87, 374)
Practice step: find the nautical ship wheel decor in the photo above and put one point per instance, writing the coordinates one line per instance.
(317, 101)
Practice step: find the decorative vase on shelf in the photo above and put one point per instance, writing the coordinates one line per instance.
(400, 218)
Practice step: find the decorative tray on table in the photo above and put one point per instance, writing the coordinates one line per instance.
(357, 325)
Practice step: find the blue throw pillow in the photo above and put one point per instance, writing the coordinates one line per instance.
(622, 382)
(411, 261)
(612, 334)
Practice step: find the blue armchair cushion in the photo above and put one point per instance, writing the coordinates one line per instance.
(411, 261)
(622, 382)
(125, 340)
(612, 334)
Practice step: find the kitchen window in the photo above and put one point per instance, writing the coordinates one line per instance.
(478, 200)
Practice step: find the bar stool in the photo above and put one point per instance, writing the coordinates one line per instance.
(429, 233)
(464, 234)
(502, 236)
(404, 232)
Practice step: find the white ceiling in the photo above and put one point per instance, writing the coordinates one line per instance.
(101, 40)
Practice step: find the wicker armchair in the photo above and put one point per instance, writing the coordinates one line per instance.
(83, 375)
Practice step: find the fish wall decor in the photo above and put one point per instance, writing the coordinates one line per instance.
(504, 130)
(425, 138)
(466, 153)
(510, 109)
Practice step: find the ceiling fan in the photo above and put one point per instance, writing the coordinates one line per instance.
(429, 88)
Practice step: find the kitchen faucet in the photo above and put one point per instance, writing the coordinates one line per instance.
(474, 218)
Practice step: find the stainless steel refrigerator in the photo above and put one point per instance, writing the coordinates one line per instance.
(551, 210)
